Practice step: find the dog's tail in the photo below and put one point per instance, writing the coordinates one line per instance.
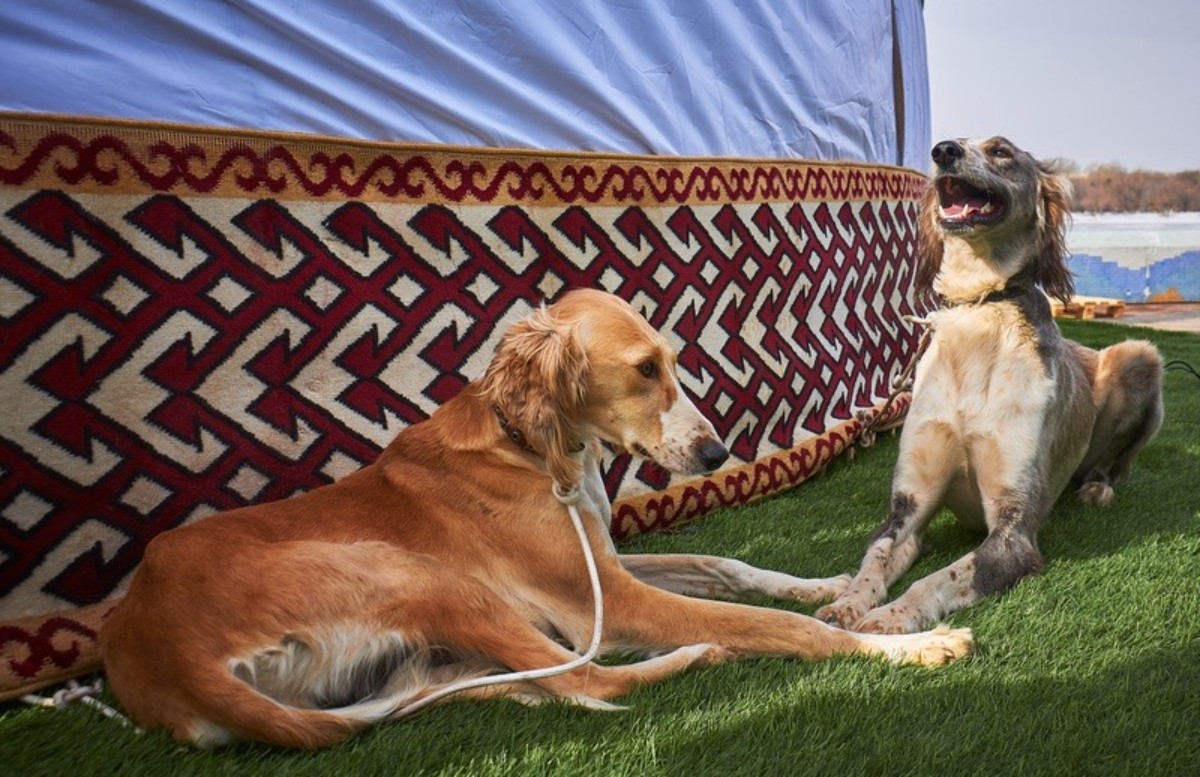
(237, 710)
(279, 701)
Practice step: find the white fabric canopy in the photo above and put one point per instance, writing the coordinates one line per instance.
(759, 78)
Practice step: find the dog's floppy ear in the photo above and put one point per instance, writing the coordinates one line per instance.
(1054, 215)
(538, 380)
(929, 243)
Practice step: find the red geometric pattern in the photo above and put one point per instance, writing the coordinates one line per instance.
(88, 154)
(745, 483)
(47, 649)
(41, 647)
(193, 325)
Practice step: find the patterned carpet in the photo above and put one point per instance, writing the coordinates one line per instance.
(195, 319)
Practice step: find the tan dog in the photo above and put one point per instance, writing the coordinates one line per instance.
(1005, 412)
(301, 621)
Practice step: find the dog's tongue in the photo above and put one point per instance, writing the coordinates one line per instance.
(961, 201)
(965, 207)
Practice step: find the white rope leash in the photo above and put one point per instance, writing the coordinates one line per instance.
(872, 419)
(569, 498)
(76, 692)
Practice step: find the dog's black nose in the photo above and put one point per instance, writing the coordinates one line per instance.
(946, 152)
(712, 454)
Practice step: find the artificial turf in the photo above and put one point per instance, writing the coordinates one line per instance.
(1091, 668)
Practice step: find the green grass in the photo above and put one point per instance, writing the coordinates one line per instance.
(1091, 668)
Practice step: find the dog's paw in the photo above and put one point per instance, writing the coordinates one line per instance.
(844, 613)
(704, 654)
(888, 620)
(1096, 493)
(941, 646)
(925, 648)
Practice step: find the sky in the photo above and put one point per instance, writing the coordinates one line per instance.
(1094, 81)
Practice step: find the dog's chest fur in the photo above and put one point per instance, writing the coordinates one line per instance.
(983, 378)
(980, 356)
(980, 398)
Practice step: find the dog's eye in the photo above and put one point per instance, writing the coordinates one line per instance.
(648, 369)
(1000, 152)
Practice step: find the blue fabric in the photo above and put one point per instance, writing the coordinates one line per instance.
(756, 78)
(918, 124)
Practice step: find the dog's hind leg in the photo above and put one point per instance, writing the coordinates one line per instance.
(593, 685)
(1128, 390)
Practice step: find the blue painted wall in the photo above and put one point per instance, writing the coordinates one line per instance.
(1099, 277)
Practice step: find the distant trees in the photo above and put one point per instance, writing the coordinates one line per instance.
(1113, 189)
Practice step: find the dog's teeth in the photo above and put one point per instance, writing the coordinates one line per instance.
(987, 208)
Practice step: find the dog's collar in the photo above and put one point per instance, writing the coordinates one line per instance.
(517, 436)
(1010, 291)
(514, 434)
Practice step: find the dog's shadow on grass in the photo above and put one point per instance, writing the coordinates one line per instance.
(768, 717)
(765, 716)
(1137, 715)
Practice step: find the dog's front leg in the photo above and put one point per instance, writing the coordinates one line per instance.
(641, 617)
(894, 547)
(929, 453)
(725, 578)
(1008, 554)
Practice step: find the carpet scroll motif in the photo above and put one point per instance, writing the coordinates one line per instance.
(198, 319)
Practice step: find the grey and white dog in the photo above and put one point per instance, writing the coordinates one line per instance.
(1005, 411)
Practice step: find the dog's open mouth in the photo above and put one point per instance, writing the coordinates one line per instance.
(965, 205)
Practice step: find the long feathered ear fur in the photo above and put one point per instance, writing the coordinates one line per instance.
(538, 379)
(929, 243)
(1054, 216)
